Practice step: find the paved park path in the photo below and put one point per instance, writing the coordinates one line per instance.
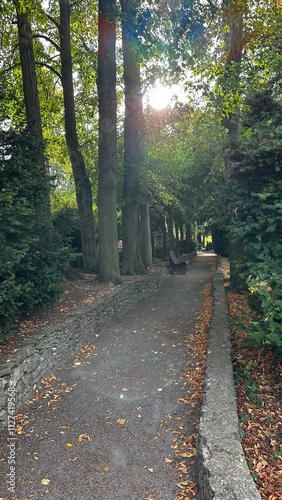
(106, 426)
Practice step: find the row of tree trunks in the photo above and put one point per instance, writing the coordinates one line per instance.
(33, 116)
(137, 251)
(182, 242)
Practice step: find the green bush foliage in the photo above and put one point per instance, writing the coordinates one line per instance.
(30, 268)
(67, 224)
(256, 205)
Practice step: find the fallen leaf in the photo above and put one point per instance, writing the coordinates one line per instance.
(106, 469)
(121, 421)
(65, 426)
(187, 454)
(45, 481)
(83, 437)
(150, 469)
(69, 445)
(168, 460)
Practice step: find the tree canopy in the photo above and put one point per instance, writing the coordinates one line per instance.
(210, 159)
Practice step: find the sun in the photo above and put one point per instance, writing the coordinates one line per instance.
(160, 96)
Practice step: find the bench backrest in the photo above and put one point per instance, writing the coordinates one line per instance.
(173, 256)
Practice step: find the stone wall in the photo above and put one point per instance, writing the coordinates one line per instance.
(56, 345)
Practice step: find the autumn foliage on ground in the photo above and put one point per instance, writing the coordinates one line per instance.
(258, 376)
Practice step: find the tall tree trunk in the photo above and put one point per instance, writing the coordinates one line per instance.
(196, 235)
(170, 229)
(146, 240)
(31, 98)
(82, 183)
(33, 116)
(181, 230)
(164, 236)
(189, 243)
(107, 184)
(234, 43)
(153, 247)
(133, 130)
(176, 225)
(233, 17)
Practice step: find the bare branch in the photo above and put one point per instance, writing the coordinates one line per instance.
(48, 39)
(10, 68)
(53, 20)
(45, 65)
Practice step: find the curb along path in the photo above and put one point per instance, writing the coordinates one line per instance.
(224, 472)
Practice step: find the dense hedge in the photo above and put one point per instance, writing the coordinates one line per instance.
(30, 269)
(255, 201)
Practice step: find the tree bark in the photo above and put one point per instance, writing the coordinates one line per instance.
(170, 229)
(181, 230)
(236, 253)
(31, 98)
(176, 225)
(133, 131)
(164, 235)
(234, 42)
(82, 183)
(107, 182)
(189, 244)
(146, 240)
(33, 117)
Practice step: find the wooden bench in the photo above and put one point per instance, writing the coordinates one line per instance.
(177, 264)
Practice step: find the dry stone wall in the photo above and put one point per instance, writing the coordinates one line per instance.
(54, 346)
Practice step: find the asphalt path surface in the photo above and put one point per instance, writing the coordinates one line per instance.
(103, 427)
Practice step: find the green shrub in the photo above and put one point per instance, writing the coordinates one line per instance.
(266, 297)
(255, 205)
(67, 224)
(30, 269)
